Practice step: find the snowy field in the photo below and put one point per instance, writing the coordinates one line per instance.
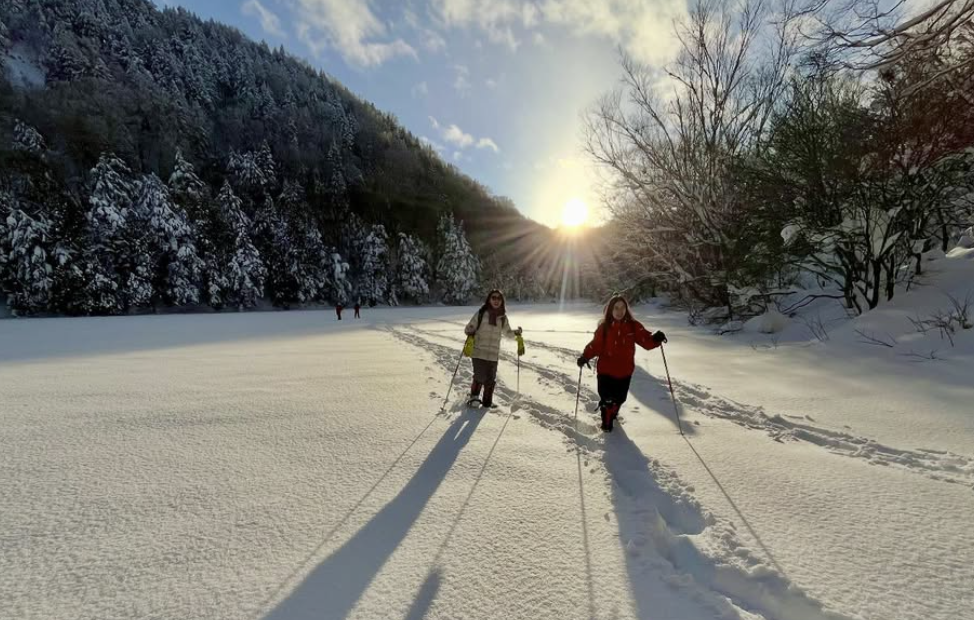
(284, 465)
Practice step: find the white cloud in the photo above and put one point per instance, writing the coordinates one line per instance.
(462, 83)
(411, 18)
(504, 35)
(457, 155)
(433, 42)
(436, 146)
(420, 90)
(487, 143)
(270, 22)
(455, 135)
(643, 27)
(350, 27)
(494, 17)
(529, 15)
(491, 83)
(460, 139)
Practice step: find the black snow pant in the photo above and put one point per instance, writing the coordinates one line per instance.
(484, 375)
(614, 389)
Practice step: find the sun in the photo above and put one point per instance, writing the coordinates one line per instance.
(575, 213)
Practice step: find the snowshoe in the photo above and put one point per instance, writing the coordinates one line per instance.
(488, 400)
(474, 402)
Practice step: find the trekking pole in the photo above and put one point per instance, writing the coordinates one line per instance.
(520, 352)
(452, 379)
(518, 375)
(578, 392)
(676, 408)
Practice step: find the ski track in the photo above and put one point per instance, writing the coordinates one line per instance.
(655, 508)
(935, 464)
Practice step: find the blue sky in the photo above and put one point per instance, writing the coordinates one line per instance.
(497, 86)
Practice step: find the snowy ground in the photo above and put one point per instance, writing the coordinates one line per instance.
(283, 465)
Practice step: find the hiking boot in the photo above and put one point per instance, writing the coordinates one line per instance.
(488, 399)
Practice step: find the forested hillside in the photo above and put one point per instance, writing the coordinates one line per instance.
(149, 158)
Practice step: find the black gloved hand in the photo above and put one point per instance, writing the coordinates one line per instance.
(582, 361)
(659, 337)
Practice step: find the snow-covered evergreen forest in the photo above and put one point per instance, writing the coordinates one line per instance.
(796, 151)
(150, 159)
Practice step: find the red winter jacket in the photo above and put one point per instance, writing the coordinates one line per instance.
(617, 349)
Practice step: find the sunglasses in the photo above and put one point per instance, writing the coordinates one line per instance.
(495, 297)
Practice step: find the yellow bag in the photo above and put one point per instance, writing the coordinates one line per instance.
(468, 347)
(520, 345)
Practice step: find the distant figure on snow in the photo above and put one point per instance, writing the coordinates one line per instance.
(615, 345)
(486, 328)
(338, 311)
(358, 307)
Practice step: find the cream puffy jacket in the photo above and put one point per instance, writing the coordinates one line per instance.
(487, 339)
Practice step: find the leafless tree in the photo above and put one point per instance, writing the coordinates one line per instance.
(874, 35)
(670, 151)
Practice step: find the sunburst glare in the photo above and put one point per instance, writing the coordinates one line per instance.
(575, 213)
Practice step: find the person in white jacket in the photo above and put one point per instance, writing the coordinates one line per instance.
(487, 326)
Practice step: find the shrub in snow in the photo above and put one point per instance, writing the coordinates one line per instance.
(771, 322)
(26, 138)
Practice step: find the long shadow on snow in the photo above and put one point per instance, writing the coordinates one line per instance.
(333, 588)
(650, 391)
(654, 508)
(650, 515)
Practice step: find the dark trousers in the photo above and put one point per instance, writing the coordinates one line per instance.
(614, 389)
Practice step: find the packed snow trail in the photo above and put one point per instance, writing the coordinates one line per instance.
(224, 466)
(936, 464)
(667, 516)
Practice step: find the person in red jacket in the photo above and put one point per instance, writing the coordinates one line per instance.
(614, 344)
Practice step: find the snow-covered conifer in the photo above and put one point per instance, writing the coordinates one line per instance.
(373, 281)
(176, 264)
(458, 268)
(26, 273)
(245, 271)
(412, 274)
(108, 253)
(342, 290)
